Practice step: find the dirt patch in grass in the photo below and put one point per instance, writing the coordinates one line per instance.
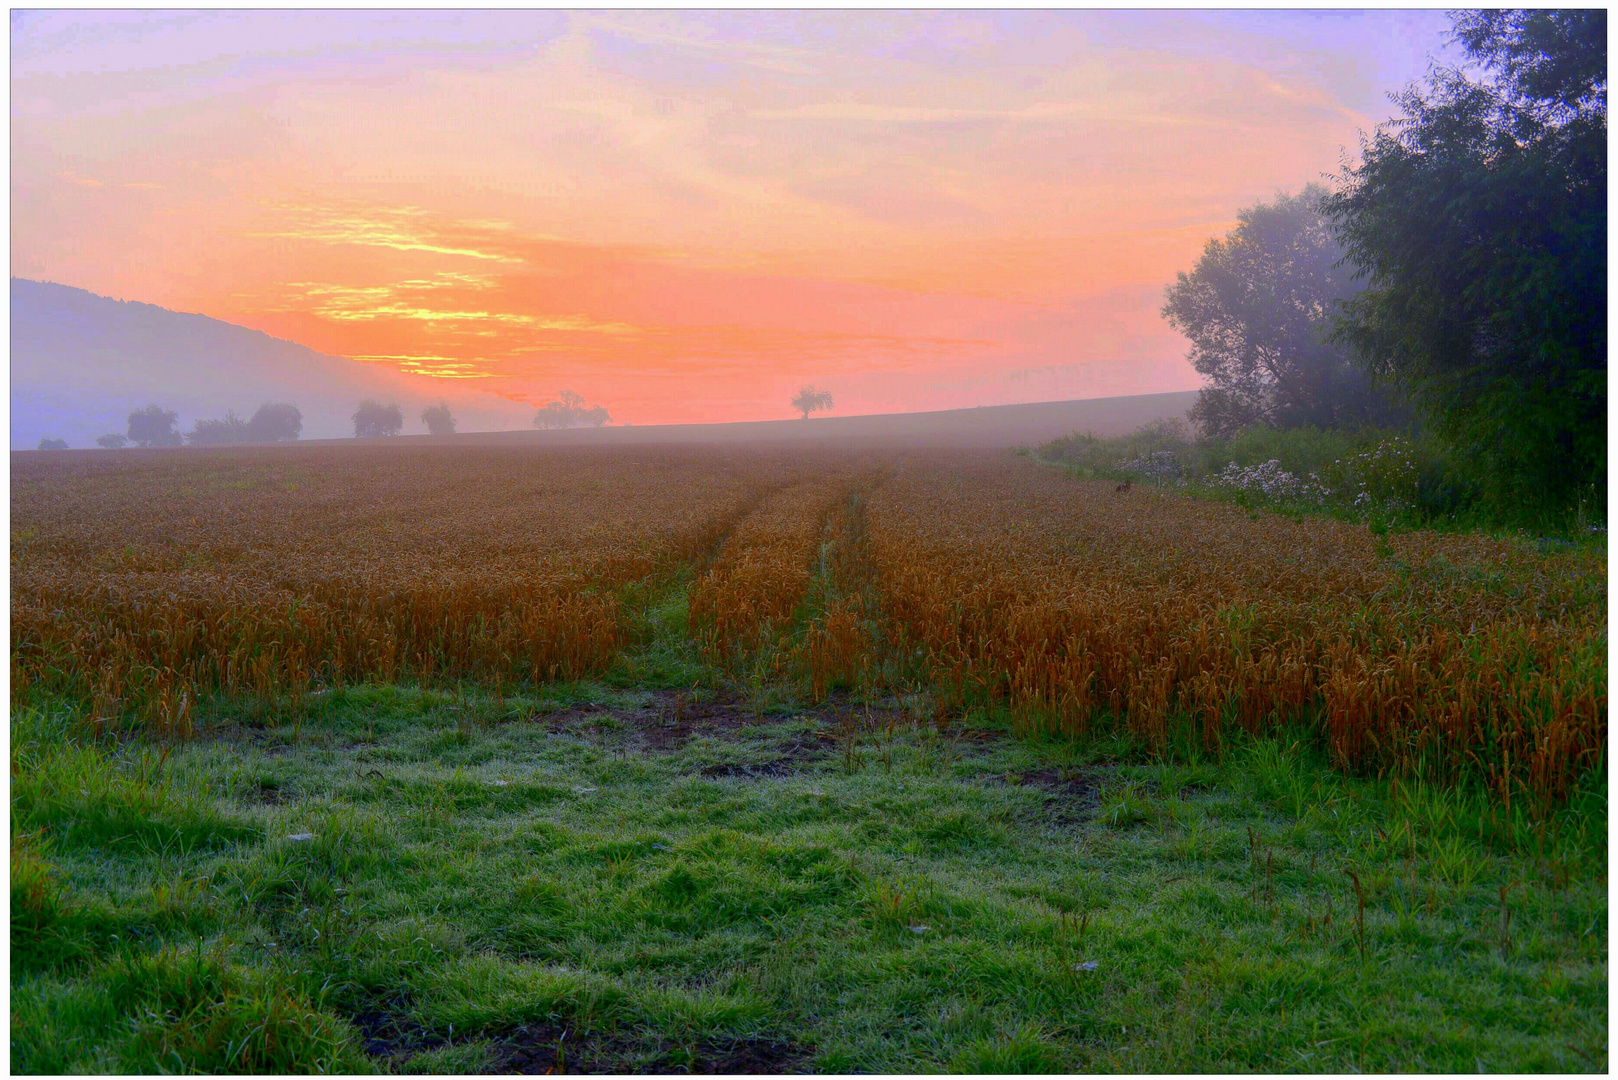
(263, 795)
(1070, 796)
(673, 716)
(551, 1050)
(390, 1036)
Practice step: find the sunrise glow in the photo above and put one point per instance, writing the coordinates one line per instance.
(683, 215)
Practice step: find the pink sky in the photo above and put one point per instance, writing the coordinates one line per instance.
(686, 215)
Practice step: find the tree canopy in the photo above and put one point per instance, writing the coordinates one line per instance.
(275, 422)
(373, 420)
(438, 419)
(271, 423)
(154, 426)
(811, 400)
(232, 429)
(1478, 220)
(568, 410)
(1257, 307)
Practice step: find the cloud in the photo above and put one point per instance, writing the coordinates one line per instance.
(400, 228)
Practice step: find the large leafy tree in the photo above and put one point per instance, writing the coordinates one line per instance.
(374, 420)
(1479, 219)
(276, 422)
(1257, 307)
(154, 426)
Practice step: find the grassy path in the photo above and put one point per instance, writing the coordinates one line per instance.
(662, 870)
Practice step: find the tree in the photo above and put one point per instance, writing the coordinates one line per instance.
(232, 429)
(113, 441)
(271, 423)
(154, 426)
(568, 411)
(811, 400)
(438, 419)
(1257, 307)
(375, 420)
(277, 422)
(1479, 219)
(53, 444)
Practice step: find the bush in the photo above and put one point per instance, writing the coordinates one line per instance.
(1369, 474)
(52, 444)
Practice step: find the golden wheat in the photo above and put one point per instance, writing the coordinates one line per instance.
(141, 581)
(1418, 652)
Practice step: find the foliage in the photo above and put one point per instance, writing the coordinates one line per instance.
(53, 444)
(270, 423)
(810, 400)
(1256, 308)
(374, 420)
(1479, 219)
(1405, 478)
(232, 429)
(112, 441)
(154, 426)
(275, 422)
(568, 410)
(438, 419)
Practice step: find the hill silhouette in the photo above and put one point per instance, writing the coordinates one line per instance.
(80, 362)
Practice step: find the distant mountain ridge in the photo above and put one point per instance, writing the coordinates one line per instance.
(81, 362)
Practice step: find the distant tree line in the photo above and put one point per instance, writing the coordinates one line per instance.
(155, 426)
(1455, 280)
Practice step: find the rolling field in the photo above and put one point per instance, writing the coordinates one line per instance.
(786, 758)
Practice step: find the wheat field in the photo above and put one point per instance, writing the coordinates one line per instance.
(148, 584)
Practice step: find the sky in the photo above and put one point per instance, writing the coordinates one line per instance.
(684, 216)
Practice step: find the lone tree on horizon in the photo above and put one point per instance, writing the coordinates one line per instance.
(438, 419)
(811, 400)
(375, 420)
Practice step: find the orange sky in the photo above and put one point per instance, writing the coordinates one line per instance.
(684, 215)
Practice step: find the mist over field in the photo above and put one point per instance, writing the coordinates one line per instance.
(80, 363)
(723, 542)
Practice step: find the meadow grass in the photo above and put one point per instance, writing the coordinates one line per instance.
(668, 868)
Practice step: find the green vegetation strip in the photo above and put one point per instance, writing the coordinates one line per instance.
(619, 876)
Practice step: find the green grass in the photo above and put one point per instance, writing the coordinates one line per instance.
(559, 872)
(1403, 479)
